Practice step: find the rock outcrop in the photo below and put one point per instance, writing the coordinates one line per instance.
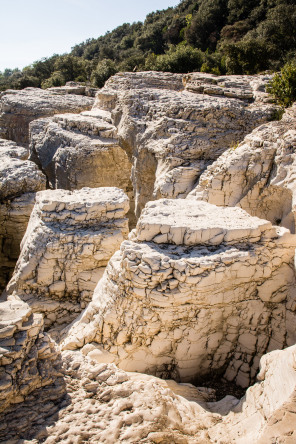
(106, 404)
(81, 150)
(19, 108)
(174, 126)
(30, 364)
(258, 175)
(69, 241)
(197, 290)
(20, 179)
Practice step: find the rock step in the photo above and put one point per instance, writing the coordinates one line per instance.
(183, 222)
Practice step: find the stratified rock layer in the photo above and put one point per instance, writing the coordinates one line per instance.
(258, 175)
(19, 108)
(20, 179)
(174, 126)
(69, 240)
(29, 359)
(197, 290)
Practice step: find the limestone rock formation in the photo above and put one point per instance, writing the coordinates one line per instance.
(20, 179)
(197, 290)
(80, 150)
(258, 175)
(106, 404)
(69, 240)
(174, 126)
(29, 359)
(19, 108)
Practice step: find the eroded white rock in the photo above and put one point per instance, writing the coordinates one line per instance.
(70, 238)
(187, 308)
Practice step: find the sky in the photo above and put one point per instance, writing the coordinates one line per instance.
(33, 29)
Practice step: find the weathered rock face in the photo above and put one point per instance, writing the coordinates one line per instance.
(29, 359)
(80, 150)
(19, 108)
(258, 175)
(174, 126)
(197, 290)
(69, 240)
(20, 180)
(105, 404)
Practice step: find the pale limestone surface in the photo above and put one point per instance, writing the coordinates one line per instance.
(28, 357)
(20, 179)
(172, 130)
(19, 108)
(108, 405)
(258, 175)
(11, 149)
(81, 150)
(70, 238)
(182, 309)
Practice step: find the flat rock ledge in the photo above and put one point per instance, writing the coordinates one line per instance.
(70, 238)
(180, 305)
(19, 108)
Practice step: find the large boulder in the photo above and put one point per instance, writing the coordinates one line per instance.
(173, 126)
(20, 180)
(258, 175)
(70, 238)
(19, 108)
(197, 290)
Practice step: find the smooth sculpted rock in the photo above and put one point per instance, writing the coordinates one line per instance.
(20, 179)
(29, 360)
(70, 238)
(106, 404)
(19, 108)
(258, 175)
(173, 126)
(197, 290)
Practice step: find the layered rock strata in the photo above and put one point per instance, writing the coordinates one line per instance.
(20, 179)
(197, 290)
(258, 175)
(174, 126)
(19, 108)
(29, 360)
(69, 240)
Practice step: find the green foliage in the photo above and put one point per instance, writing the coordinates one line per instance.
(283, 85)
(105, 69)
(180, 59)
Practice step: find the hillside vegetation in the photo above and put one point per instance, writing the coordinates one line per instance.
(216, 36)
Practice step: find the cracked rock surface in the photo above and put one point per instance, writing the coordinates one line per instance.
(20, 179)
(184, 300)
(70, 238)
(105, 404)
(258, 175)
(19, 107)
(173, 126)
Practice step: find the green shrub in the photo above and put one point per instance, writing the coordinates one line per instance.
(105, 69)
(283, 85)
(179, 58)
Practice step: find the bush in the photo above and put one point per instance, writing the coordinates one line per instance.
(283, 85)
(105, 69)
(181, 59)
